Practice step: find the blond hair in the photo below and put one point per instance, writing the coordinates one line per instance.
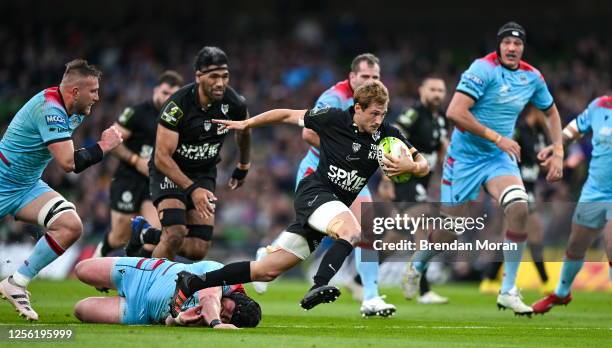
(371, 92)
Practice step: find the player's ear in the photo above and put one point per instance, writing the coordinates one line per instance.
(358, 107)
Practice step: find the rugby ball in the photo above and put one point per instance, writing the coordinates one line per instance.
(396, 148)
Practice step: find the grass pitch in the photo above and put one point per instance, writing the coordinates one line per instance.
(471, 319)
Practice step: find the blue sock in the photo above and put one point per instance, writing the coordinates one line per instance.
(421, 258)
(570, 268)
(45, 251)
(368, 271)
(512, 261)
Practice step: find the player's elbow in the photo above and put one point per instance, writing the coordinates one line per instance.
(67, 165)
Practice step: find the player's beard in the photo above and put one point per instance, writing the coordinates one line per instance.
(215, 96)
(82, 108)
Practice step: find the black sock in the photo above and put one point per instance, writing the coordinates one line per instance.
(144, 253)
(491, 270)
(233, 273)
(424, 284)
(536, 254)
(151, 236)
(106, 248)
(332, 261)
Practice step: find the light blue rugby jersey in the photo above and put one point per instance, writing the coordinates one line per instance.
(597, 118)
(500, 95)
(23, 149)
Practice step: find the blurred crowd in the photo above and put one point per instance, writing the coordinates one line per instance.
(289, 70)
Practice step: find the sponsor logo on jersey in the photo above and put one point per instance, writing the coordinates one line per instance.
(504, 89)
(348, 181)
(373, 153)
(126, 201)
(356, 147)
(199, 152)
(55, 120)
(222, 129)
(167, 184)
(471, 77)
(172, 114)
(224, 108)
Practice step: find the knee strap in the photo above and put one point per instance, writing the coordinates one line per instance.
(172, 216)
(52, 210)
(513, 194)
(203, 232)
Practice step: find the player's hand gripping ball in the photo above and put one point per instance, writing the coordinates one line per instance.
(396, 148)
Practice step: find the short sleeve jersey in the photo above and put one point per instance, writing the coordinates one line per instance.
(141, 121)
(200, 140)
(500, 94)
(348, 157)
(43, 120)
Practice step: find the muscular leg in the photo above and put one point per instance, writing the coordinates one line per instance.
(119, 233)
(104, 310)
(62, 233)
(195, 248)
(173, 234)
(516, 216)
(580, 240)
(96, 272)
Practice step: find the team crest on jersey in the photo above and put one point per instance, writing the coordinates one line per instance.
(224, 109)
(74, 122)
(356, 147)
(523, 79)
(207, 125)
(376, 135)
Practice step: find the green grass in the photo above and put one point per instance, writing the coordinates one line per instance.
(469, 320)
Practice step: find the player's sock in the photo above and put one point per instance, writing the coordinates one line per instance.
(230, 274)
(142, 252)
(151, 235)
(536, 254)
(571, 267)
(610, 269)
(421, 258)
(46, 250)
(106, 247)
(368, 271)
(512, 260)
(332, 261)
(424, 284)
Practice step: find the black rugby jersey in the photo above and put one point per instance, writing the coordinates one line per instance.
(200, 140)
(348, 158)
(141, 121)
(424, 129)
(531, 140)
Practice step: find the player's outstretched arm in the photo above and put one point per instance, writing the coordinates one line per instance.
(81, 159)
(243, 142)
(267, 118)
(210, 299)
(459, 112)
